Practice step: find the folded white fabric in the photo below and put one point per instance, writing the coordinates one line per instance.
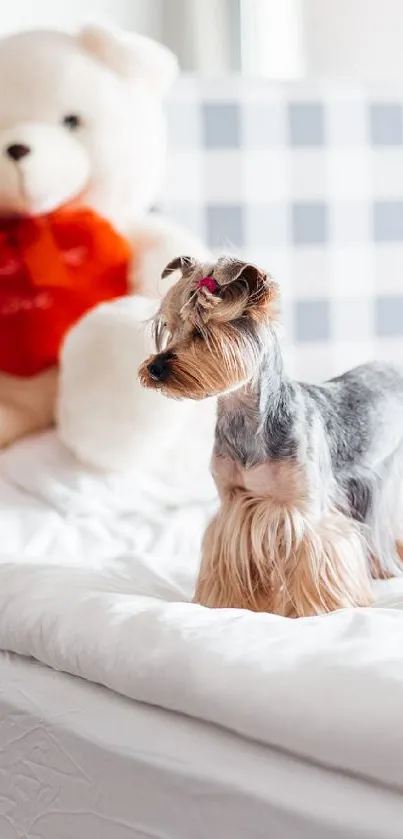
(53, 509)
(327, 688)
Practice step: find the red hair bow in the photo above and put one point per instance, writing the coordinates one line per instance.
(209, 283)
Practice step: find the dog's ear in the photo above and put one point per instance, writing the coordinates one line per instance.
(248, 277)
(185, 264)
(256, 281)
(248, 283)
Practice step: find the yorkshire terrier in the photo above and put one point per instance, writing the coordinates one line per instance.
(309, 477)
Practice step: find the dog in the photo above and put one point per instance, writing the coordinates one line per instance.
(309, 476)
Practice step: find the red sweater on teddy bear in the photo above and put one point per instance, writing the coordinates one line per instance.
(53, 269)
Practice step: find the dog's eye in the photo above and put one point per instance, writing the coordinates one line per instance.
(161, 334)
(72, 122)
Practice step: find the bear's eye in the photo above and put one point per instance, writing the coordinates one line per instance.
(72, 122)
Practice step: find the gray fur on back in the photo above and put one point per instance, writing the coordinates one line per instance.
(348, 431)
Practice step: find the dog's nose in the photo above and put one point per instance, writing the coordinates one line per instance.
(159, 368)
(17, 151)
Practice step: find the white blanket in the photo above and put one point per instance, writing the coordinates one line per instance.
(90, 587)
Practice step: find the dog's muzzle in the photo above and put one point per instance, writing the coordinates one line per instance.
(160, 368)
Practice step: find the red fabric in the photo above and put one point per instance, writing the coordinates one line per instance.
(53, 269)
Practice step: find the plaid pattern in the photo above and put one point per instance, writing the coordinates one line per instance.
(307, 180)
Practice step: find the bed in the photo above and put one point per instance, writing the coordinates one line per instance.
(312, 709)
(126, 711)
(76, 760)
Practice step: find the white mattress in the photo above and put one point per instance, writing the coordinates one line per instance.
(78, 761)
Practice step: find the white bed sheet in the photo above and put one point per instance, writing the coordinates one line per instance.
(78, 761)
(96, 583)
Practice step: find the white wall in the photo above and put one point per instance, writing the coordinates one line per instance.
(143, 15)
(272, 38)
(336, 38)
(204, 34)
(357, 39)
(354, 38)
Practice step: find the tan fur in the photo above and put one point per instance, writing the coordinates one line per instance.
(283, 481)
(376, 570)
(399, 550)
(266, 549)
(26, 405)
(241, 287)
(262, 555)
(225, 359)
(198, 373)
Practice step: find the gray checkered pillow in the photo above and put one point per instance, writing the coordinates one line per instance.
(307, 180)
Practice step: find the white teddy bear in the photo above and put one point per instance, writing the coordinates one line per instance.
(82, 124)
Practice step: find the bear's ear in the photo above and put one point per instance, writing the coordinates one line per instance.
(132, 56)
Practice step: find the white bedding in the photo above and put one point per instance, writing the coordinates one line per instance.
(94, 589)
(79, 761)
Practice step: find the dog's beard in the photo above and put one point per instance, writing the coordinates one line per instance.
(222, 362)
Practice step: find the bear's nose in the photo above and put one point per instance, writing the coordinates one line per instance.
(17, 151)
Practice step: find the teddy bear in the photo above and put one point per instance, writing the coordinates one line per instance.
(82, 152)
